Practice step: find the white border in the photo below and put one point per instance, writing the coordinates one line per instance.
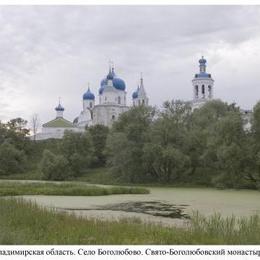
(127, 2)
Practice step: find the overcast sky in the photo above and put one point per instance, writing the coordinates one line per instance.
(48, 52)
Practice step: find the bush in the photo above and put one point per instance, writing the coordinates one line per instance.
(54, 167)
(11, 160)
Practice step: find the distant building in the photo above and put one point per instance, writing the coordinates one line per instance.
(111, 103)
(247, 118)
(56, 127)
(202, 86)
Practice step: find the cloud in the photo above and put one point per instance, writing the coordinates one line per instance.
(52, 51)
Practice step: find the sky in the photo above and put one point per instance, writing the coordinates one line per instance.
(47, 52)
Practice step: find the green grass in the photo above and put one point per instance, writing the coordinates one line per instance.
(64, 189)
(29, 175)
(98, 175)
(26, 223)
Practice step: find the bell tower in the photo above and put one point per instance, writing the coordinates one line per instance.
(202, 85)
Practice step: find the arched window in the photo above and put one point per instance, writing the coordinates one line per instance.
(143, 102)
(203, 90)
(90, 104)
(113, 117)
(196, 91)
(119, 100)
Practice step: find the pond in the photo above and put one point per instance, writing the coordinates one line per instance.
(167, 206)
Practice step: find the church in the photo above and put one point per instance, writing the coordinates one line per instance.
(111, 102)
(104, 110)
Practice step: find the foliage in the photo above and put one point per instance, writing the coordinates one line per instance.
(98, 137)
(54, 167)
(126, 142)
(177, 145)
(12, 160)
(174, 145)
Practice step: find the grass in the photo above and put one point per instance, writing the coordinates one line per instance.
(98, 175)
(64, 189)
(26, 223)
(29, 175)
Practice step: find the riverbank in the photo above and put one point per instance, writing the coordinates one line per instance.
(26, 223)
(63, 189)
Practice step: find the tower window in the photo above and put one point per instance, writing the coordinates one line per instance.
(196, 91)
(203, 90)
(90, 104)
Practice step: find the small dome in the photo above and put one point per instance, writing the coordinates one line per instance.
(202, 60)
(59, 108)
(135, 95)
(88, 95)
(119, 83)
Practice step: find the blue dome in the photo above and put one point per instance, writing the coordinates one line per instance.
(59, 108)
(135, 95)
(88, 95)
(202, 60)
(118, 83)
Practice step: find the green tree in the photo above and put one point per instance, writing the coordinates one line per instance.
(54, 167)
(78, 151)
(98, 138)
(11, 160)
(126, 140)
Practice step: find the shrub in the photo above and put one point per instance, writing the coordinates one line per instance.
(54, 167)
(11, 159)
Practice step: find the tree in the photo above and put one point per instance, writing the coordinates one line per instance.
(126, 140)
(11, 159)
(98, 138)
(35, 123)
(256, 123)
(167, 164)
(78, 151)
(54, 167)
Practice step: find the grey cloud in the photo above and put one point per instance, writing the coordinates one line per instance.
(51, 51)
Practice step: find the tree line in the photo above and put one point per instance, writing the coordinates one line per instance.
(172, 145)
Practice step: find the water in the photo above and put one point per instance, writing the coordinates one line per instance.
(167, 206)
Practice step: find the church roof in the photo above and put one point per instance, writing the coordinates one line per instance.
(118, 83)
(59, 123)
(89, 95)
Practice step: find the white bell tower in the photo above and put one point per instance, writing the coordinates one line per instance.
(202, 85)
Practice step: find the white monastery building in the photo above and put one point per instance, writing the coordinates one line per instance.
(111, 102)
